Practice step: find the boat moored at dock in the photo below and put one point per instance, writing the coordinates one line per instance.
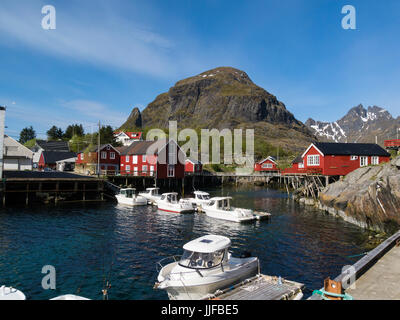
(169, 203)
(200, 198)
(220, 208)
(205, 267)
(129, 197)
(151, 194)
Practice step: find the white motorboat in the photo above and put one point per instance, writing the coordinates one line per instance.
(169, 203)
(200, 198)
(69, 297)
(220, 208)
(10, 293)
(128, 196)
(205, 267)
(151, 194)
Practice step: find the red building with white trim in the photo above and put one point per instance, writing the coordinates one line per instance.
(269, 164)
(339, 159)
(126, 138)
(87, 161)
(160, 159)
(193, 166)
(296, 168)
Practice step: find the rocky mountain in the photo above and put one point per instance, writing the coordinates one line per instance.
(358, 125)
(220, 98)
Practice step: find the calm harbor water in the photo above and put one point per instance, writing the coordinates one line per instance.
(88, 243)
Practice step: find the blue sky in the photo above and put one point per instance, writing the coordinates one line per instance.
(105, 57)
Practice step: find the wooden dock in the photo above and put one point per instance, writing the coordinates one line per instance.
(378, 270)
(34, 186)
(261, 287)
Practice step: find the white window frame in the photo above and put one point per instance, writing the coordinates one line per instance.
(301, 165)
(144, 168)
(353, 157)
(127, 158)
(135, 170)
(112, 155)
(173, 171)
(127, 168)
(144, 158)
(171, 154)
(375, 160)
(313, 160)
(103, 155)
(134, 159)
(82, 156)
(267, 166)
(361, 161)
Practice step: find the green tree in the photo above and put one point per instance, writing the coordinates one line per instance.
(54, 133)
(27, 134)
(74, 130)
(106, 135)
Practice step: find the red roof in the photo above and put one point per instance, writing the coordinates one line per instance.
(132, 135)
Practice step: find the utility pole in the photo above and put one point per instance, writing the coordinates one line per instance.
(98, 152)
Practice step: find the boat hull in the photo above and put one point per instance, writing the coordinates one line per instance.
(227, 216)
(137, 201)
(184, 290)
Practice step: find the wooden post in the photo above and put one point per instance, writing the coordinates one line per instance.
(27, 194)
(83, 192)
(183, 187)
(4, 194)
(57, 188)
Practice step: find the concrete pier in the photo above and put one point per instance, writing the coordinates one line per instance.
(377, 274)
(382, 281)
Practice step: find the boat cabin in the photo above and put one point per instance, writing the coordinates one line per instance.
(221, 203)
(201, 195)
(171, 197)
(128, 192)
(152, 191)
(205, 252)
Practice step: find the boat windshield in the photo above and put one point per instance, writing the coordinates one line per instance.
(128, 193)
(224, 205)
(171, 198)
(198, 260)
(203, 197)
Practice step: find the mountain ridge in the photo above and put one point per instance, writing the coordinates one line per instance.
(224, 97)
(360, 124)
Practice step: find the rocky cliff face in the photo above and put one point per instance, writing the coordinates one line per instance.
(226, 98)
(358, 125)
(369, 197)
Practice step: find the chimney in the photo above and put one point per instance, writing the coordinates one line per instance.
(2, 118)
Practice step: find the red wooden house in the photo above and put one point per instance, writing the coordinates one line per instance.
(339, 159)
(297, 167)
(48, 159)
(393, 144)
(268, 164)
(193, 166)
(161, 159)
(87, 161)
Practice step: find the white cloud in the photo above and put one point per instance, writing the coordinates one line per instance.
(101, 37)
